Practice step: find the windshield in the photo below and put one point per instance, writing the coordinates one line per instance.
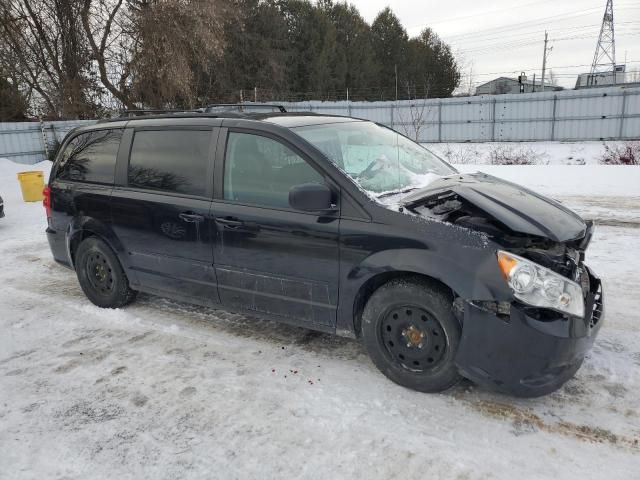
(380, 160)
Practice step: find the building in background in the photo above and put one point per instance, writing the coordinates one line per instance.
(602, 79)
(502, 85)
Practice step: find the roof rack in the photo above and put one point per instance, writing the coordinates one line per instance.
(242, 106)
(140, 112)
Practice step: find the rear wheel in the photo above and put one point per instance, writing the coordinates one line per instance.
(101, 276)
(412, 335)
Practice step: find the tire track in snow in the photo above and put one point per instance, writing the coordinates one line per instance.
(606, 211)
(527, 419)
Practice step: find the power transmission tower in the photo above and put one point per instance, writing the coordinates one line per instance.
(604, 59)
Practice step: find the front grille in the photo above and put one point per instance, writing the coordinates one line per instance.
(596, 313)
(592, 292)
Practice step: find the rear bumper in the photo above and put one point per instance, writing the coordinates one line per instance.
(522, 355)
(58, 246)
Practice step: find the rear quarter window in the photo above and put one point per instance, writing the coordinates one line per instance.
(90, 157)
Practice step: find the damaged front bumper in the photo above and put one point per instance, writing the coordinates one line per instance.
(524, 353)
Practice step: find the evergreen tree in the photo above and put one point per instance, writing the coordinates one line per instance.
(389, 41)
(354, 53)
(312, 37)
(256, 51)
(431, 68)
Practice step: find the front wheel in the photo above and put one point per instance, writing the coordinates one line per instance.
(412, 335)
(101, 276)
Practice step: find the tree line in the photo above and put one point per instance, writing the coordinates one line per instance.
(72, 59)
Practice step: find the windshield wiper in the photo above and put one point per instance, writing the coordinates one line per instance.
(397, 192)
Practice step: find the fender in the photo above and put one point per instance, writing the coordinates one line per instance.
(81, 224)
(472, 274)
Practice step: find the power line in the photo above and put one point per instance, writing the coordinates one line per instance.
(475, 15)
(517, 26)
(491, 12)
(533, 40)
(532, 22)
(530, 33)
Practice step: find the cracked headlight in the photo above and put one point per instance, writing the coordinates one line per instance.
(539, 286)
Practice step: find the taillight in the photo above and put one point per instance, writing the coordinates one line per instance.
(46, 200)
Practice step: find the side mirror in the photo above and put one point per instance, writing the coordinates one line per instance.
(311, 197)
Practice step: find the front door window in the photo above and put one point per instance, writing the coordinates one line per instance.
(261, 171)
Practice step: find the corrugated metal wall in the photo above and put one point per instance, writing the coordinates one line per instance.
(23, 142)
(594, 114)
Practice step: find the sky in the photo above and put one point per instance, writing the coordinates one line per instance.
(502, 38)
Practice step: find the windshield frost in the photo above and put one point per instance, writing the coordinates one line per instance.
(380, 160)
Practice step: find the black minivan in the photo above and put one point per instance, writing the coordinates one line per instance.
(334, 224)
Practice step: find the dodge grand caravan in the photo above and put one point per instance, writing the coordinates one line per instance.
(335, 224)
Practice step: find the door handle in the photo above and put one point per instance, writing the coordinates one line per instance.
(229, 222)
(191, 217)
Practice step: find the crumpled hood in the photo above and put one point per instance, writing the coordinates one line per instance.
(518, 208)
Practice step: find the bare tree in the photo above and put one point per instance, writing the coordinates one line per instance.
(76, 56)
(112, 38)
(417, 115)
(166, 63)
(43, 48)
(466, 87)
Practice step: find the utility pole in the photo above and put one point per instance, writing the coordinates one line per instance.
(604, 60)
(533, 89)
(544, 59)
(396, 70)
(255, 94)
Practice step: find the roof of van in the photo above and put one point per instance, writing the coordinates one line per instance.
(284, 119)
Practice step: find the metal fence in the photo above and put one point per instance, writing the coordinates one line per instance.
(573, 115)
(30, 142)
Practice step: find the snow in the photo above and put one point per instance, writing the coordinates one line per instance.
(553, 153)
(162, 389)
(568, 180)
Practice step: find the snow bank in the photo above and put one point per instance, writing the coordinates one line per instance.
(10, 192)
(9, 186)
(566, 180)
(552, 153)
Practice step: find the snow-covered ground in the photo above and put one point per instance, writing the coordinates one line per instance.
(162, 389)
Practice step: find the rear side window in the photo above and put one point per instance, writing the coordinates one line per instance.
(90, 157)
(170, 160)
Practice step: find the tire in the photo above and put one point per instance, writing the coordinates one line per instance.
(101, 276)
(412, 335)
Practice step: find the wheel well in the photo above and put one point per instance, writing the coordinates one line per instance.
(371, 285)
(76, 241)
